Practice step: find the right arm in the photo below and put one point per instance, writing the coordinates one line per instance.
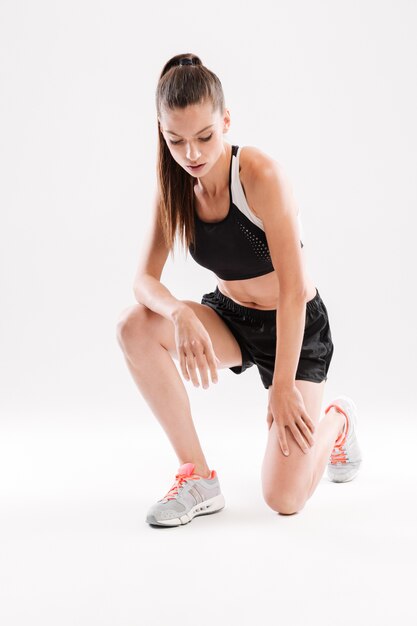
(194, 346)
(147, 287)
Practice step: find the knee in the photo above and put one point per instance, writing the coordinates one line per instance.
(131, 325)
(285, 503)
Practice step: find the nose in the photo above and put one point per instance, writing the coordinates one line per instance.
(193, 154)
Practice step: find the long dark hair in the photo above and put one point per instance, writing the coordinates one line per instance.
(179, 86)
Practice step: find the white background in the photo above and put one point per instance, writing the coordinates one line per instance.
(328, 89)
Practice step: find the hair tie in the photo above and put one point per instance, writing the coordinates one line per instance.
(185, 61)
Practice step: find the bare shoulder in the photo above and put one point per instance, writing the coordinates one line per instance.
(256, 165)
(255, 162)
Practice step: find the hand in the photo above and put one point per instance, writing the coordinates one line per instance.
(286, 408)
(194, 346)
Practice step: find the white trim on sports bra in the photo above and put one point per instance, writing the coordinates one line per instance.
(239, 198)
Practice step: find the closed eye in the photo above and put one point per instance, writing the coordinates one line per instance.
(174, 143)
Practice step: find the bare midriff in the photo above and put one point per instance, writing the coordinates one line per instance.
(261, 292)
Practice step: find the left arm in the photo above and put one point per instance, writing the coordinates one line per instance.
(290, 323)
(274, 202)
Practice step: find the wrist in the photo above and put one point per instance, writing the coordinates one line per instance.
(179, 309)
(283, 384)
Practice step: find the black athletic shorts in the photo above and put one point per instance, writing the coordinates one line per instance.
(255, 332)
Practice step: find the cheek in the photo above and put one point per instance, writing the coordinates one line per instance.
(176, 154)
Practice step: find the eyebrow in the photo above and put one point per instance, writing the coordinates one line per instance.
(200, 131)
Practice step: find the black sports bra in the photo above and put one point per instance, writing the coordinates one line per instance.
(235, 248)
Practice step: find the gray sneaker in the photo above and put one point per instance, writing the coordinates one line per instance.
(189, 496)
(346, 456)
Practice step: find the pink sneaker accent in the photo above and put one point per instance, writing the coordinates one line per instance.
(185, 472)
(187, 469)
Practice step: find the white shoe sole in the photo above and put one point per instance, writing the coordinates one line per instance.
(203, 508)
(337, 479)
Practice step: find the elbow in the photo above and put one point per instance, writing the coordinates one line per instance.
(136, 293)
(136, 288)
(140, 285)
(297, 296)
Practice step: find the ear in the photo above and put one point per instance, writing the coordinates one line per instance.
(226, 120)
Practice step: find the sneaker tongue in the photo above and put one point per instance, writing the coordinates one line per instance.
(186, 469)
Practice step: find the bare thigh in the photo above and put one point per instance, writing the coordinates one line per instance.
(286, 480)
(138, 323)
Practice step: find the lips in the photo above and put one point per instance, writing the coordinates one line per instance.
(195, 167)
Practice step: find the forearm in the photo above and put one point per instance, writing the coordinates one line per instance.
(152, 293)
(290, 324)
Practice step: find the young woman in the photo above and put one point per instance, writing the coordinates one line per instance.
(235, 212)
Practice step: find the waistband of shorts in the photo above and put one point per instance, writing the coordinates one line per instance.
(230, 304)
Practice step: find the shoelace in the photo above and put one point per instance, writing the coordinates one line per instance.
(180, 479)
(339, 455)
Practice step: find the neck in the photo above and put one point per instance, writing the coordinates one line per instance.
(217, 180)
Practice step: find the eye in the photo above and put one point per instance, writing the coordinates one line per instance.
(175, 143)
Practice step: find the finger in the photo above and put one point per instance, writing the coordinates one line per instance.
(211, 360)
(305, 430)
(283, 440)
(183, 365)
(309, 422)
(191, 367)
(298, 437)
(201, 362)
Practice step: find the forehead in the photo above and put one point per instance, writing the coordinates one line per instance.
(190, 120)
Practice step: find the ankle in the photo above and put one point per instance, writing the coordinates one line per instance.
(204, 472)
